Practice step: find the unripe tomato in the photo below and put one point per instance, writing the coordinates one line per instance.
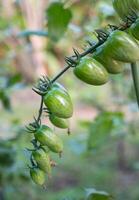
(135, 29)
(125, 7)
(121, 46)
(43, 160)
(91, 71)
(58, 122)
(58, 102)
(37, 175)
(112, 66)
(45, 136)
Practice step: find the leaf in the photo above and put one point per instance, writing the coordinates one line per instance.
(104, 124)
(58, 20)
(93, 194)
(14, 79)
(5, 100)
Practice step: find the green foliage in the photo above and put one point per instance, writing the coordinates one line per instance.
(58, 19)
(5, 99)
(101, 128)
(93, 194)
(7, 83)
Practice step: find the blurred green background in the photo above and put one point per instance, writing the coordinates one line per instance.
(102, 151)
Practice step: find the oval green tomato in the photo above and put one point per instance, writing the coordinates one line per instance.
(112, 66)
(126, 7)
(91, 71)
(135, 29)
(43, 160)
(58, 122)
(58, 102)
(121, 46)
(45, 136)
(37, 175)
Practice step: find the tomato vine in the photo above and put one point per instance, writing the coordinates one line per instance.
(45, 84)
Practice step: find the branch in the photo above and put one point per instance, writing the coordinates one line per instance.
(30, 33)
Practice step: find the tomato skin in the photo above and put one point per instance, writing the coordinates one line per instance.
(59, 86)
(122, 47)
(45, 136)
(112, 66)
(91, 71)
(58, 122)
(58, 102)
(43, 160)
(126, 7)
(135, 29)
(37, 175)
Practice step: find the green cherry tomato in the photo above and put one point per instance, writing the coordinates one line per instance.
(58, 122)
(37, 175)
(58, 101)
(121, 46)
(43, 160)
(45, 136)
(125, 7)
(112, 66)
(91, 71)
(135, 29)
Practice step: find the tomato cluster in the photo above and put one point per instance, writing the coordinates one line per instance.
(110, 57)
(116, 48)
(58, 106)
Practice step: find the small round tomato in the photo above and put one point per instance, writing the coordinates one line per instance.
(43, 160)
(58, 122)
(58, 101)
(91, 71)
(121, 46)
(45, 136)
(37, 175)
(112, 66)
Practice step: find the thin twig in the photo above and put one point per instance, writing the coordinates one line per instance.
(40, 110)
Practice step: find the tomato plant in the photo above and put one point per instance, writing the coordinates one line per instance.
(114, 48)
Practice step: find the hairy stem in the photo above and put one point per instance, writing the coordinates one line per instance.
(40, 110)
(60, 74)
(135, 75)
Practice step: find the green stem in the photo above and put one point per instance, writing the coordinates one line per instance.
(135, 75)
(40, 110)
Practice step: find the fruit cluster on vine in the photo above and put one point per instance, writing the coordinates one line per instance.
(115, 47)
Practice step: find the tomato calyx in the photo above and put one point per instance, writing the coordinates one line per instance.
(101, 35)
(43, 85)
(34, 126)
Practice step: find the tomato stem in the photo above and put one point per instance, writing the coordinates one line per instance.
(40, 110)
(135, 75)
(60, 74)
